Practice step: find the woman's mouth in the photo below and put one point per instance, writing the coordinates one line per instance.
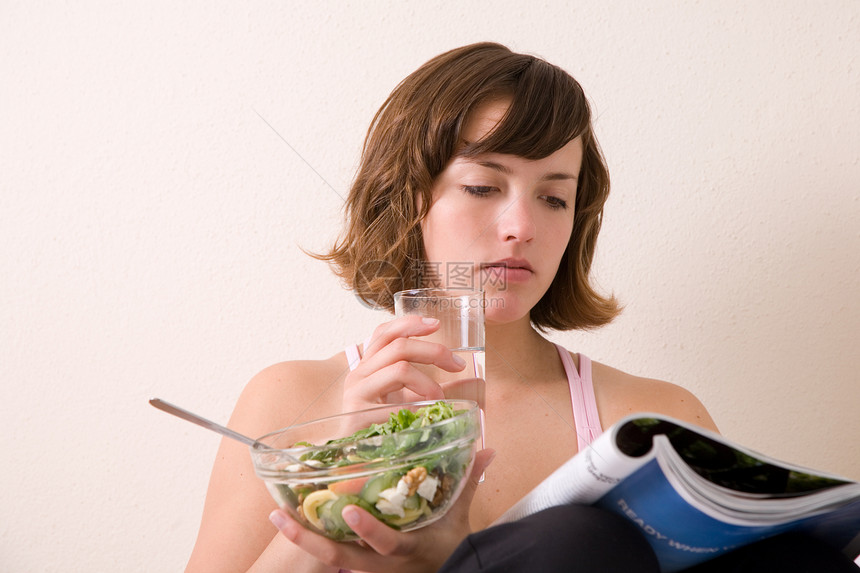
(500, 273)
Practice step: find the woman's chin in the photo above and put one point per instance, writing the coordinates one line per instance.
(501, 310)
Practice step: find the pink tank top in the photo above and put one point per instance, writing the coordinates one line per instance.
(581, 393)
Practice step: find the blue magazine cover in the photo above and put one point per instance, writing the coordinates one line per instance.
(696, 495)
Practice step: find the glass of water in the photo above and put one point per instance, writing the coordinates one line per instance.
(460, 312)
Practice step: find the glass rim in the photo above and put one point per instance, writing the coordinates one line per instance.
(438, 292)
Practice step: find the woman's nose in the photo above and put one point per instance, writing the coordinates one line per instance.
(516, 222)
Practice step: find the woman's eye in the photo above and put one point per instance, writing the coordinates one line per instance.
(478, 190)
(555, 202)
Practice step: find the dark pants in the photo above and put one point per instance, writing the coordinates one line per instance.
(583, 539)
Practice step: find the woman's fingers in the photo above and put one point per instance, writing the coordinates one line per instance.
(402, 327)
(411, 350)
(353, 555)
(327, 551)
(378, 536)
(390, 379)
(397, 363)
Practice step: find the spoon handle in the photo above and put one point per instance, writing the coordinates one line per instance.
(200, 421)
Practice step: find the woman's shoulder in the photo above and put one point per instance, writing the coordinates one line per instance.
(620, 394)
(300, 377)
(290, 392)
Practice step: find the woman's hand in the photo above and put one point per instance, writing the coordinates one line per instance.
(385, 549)
(387, 366)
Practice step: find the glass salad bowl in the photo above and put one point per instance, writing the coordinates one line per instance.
(406, 464)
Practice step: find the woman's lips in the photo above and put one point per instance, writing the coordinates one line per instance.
(507, 271)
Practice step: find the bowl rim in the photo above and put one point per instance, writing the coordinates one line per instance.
(470, 407)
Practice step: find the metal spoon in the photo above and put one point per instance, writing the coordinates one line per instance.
(223, 430)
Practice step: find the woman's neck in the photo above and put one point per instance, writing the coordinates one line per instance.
(517, 347)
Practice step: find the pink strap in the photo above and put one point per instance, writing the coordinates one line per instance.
(585, 415)
(353, 356)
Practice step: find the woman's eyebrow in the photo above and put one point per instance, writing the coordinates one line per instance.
(492, 165)
(560, 176)
(504, 169)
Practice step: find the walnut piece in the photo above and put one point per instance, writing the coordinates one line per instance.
(414, 477)
(444, 491)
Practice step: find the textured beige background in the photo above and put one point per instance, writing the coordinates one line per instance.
(162, 163)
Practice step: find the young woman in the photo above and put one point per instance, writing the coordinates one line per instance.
(482, 162)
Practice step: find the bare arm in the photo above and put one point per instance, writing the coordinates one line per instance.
(282, 555)
(235, 532)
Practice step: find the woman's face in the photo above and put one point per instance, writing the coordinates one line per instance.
(500, 222)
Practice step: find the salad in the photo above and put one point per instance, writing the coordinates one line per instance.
(404, 471)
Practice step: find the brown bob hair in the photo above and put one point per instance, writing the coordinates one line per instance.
(416, 133)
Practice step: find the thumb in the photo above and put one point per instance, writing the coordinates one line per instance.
(459, 513)
(483, 459)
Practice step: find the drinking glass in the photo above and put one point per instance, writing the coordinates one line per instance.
(460, 312)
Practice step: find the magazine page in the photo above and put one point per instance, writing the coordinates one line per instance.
(696, 495)
(727, 465)
(752, 504)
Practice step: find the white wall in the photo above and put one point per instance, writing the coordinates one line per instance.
(151, 222)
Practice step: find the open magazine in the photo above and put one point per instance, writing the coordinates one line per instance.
(696, 495)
